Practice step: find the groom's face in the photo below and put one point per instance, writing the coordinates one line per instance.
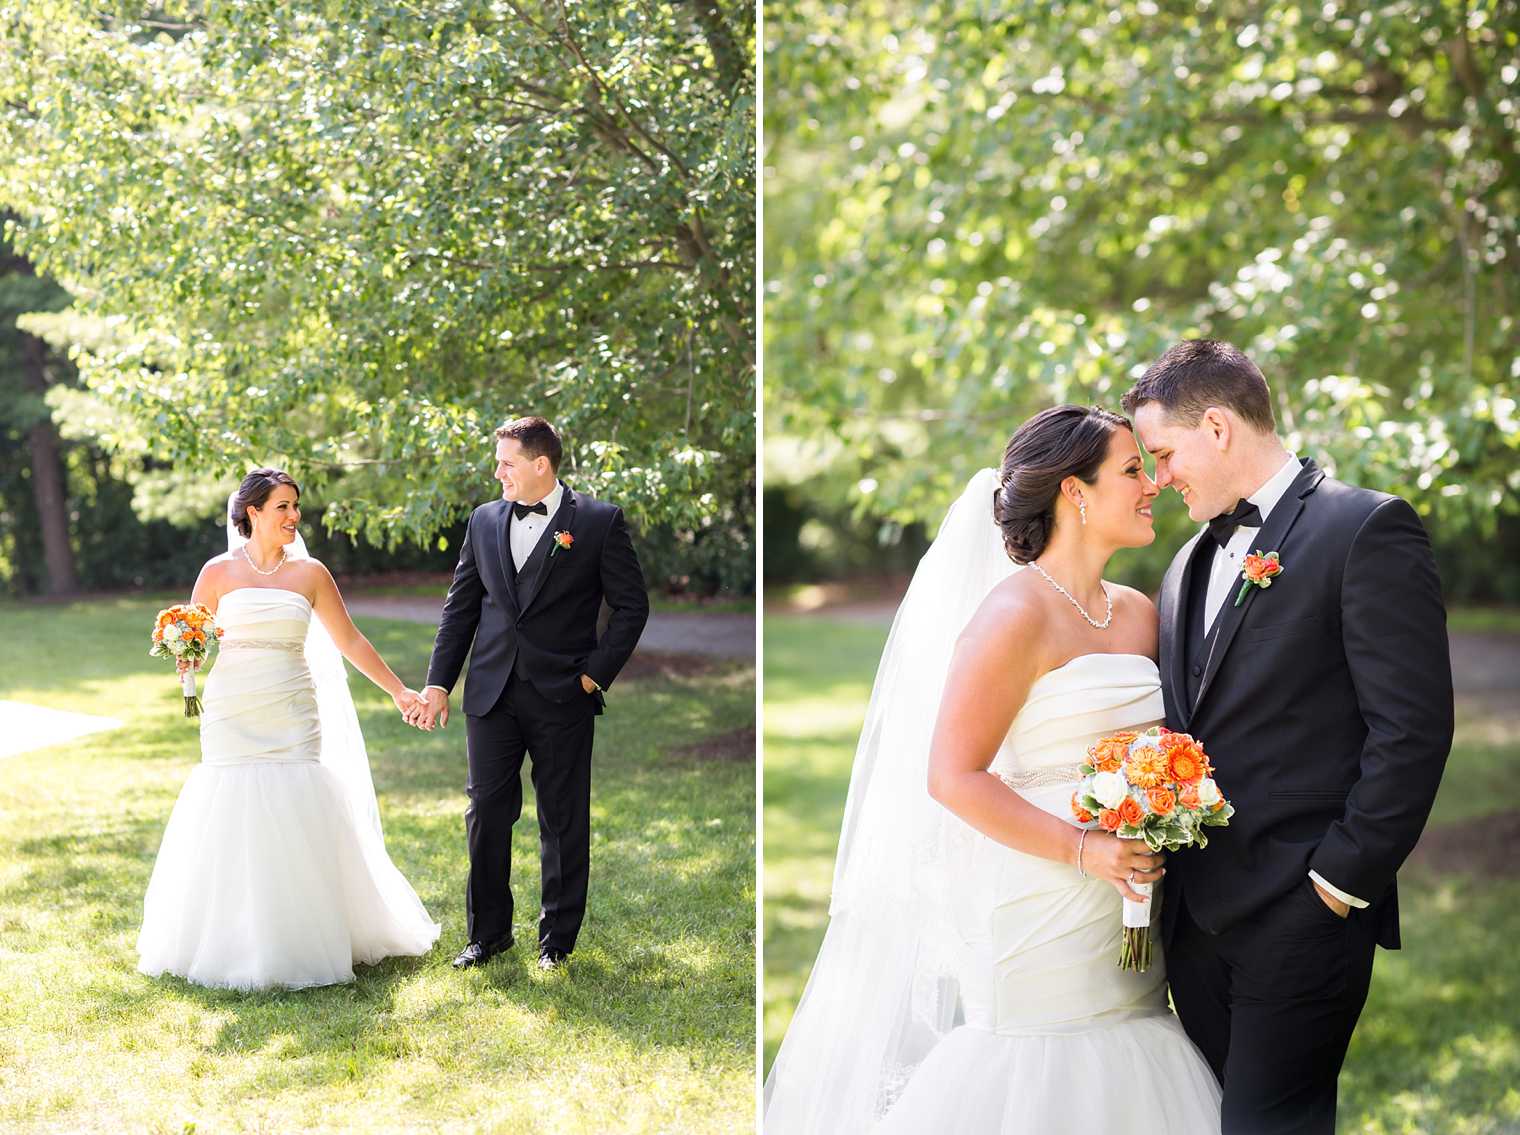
(523, 478)
(1188, 459)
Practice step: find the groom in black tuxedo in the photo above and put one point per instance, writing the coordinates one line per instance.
(1325, 703)
(532, 574)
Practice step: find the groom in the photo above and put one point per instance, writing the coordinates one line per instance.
(532, 574)
(1325, 703)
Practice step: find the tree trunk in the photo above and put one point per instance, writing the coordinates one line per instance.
(48, 481)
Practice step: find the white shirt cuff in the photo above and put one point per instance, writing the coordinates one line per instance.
(425, 689)
(1349, 900)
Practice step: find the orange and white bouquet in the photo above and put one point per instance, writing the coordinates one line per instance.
(1157, 786)
(185, 632)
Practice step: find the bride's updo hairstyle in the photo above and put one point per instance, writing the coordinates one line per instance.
(253, 492)
(1061, 442)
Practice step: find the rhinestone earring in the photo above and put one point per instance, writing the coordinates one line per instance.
(1082, 509)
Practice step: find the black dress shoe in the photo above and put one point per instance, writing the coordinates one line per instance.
(479, 953)
(550, 960)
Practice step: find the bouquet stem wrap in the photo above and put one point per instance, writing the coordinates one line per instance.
(187, 687)
(1135, 953)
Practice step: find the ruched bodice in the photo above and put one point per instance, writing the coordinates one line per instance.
(1070, 707)
(263, 614)
(260, 699)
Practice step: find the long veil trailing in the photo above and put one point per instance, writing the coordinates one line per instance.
(881, 993)
(343, 748)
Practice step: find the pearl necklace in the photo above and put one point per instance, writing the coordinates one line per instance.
(1103, 626)
(260, 570)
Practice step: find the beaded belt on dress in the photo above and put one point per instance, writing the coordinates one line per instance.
(1041, 777)
(293, 646)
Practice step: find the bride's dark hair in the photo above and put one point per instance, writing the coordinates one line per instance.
(253, 492)
(1061, 442)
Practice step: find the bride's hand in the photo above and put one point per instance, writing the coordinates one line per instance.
(406, 699)
(1120, 862)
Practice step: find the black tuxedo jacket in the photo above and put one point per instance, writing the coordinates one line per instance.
(1324, 702)
(541, 622)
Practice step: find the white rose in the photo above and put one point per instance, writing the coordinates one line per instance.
(1208, 792)
(1109, 788)
(171, 632)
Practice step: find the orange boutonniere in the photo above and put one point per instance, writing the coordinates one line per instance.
(562, 540)
(1258, 572)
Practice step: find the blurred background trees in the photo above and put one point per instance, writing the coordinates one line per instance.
(349, 239)
(974, 211)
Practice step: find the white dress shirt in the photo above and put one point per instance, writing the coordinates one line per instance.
(523, 534)
(1224, 576)
(1224, 582)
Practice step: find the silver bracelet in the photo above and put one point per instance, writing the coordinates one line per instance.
(1082, 839)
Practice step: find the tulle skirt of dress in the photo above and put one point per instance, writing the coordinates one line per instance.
(1057, 1038)
(264, 877)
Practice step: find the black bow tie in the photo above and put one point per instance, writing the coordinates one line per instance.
(1244, 514)
(521, 510)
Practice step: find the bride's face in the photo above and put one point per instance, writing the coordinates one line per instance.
(1119, 501)
(275, 522)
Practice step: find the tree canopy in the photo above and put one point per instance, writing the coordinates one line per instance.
(973, 211)
(350, 238)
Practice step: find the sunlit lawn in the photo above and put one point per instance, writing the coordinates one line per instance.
(1438, 1047)
(651, 1029)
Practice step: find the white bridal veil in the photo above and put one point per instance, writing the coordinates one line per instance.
(880, 994)
(343, 749)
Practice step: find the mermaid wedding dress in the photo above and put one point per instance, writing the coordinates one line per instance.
(962, 985)
(273, 871)
(1054, 1036)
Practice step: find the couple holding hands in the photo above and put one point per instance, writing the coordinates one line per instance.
(273, 870)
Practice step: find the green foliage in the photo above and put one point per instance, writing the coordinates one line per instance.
(351, 238)
(973, 211)
(653, 1024)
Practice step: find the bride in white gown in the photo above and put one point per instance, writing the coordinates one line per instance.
(968, 980)
(273, 871)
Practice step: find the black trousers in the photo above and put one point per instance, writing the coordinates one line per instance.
(1272, 1003)
(558, 739)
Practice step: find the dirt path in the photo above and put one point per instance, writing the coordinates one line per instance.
(716, 634)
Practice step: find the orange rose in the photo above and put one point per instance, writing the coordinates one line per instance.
(1162, 801)
(1130, 811)
(1188, 797)
(1124, 737)
(1260, 569)
(1081, 813)
(1108, 819)
(1107, 754)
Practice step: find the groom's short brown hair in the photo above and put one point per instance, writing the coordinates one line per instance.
(1199, 373)
(536, 436)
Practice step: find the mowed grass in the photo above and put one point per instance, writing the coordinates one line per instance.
(1438, 1047)
(651, 1029)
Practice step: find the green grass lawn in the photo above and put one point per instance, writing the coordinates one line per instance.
(650, 1029)
(1438, 1047)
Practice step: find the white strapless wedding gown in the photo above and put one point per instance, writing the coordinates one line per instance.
(265, 876)
(1056, 1038)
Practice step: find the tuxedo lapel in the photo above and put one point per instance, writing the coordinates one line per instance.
(541, 561)
(1173, 615)
(504, 552)
(1270, 538)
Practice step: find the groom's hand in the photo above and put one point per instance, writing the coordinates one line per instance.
(1335, 904)
(434, 709)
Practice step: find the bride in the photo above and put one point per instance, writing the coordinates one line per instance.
(968, 980)
(273, 871)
